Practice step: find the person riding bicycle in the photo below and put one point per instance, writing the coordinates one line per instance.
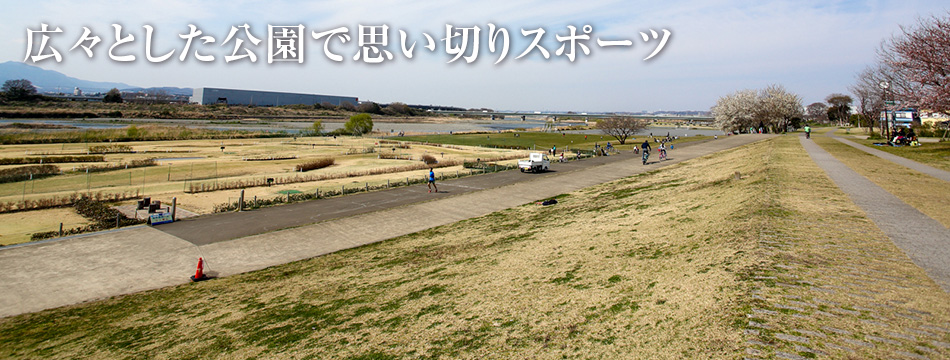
(807, 132)
(662, 150)
(645, 147)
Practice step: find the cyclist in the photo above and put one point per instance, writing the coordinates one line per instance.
(807, 132)
(645, 147)
(662, 150)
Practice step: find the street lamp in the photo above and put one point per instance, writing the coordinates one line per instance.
(887, 123)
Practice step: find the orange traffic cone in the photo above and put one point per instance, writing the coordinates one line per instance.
(200, 272)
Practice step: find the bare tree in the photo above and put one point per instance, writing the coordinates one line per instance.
(917, 60)
(21, 89)
(869, 96)
(621, 127)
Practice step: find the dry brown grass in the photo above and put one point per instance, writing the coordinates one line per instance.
(18, 226)
(821, 240)
(646, 267)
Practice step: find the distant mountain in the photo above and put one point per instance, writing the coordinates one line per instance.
(54, 81)
(169, 89)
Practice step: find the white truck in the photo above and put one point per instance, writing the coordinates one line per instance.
(537, 162)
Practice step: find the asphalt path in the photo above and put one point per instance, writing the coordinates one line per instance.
(92, 266)
(214, 228)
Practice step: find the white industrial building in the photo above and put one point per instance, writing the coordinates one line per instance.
(206, 96)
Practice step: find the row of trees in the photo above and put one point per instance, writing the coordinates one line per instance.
(836, 110)
(772, 108)
(912, 70)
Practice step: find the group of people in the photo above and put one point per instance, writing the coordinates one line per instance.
(603, 150)
(661, 148)
(905, 138)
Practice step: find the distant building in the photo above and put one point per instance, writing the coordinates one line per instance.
(77, 92)
(206, 96)
(932, 118)
(904, 117)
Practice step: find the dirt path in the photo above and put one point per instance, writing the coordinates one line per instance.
(922, 238)
(100, 265)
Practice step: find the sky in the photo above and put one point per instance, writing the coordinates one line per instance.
(715, 47)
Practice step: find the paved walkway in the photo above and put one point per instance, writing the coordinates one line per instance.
(921, 237)
(100, 265)
(839, 293)
(905, 162)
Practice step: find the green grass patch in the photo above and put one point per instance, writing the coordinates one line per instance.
(933, 154)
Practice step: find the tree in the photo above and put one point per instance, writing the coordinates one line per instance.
(19, 90)
(370, 108)
(816, 112)
(777, 107)
(397, 109)
(839, 108)
(620, 127)
(113, 96)
(348, 106)
(316, 128)
(359, 124)
(772, 107)
(735, 111)
(918, 63)
(869, 95)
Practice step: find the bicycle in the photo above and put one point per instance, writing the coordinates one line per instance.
(646, 155)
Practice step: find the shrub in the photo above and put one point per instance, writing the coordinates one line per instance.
(24, 172)
(51, 159)
(110, 149)
(315, 164)
(119, 166)
(429, 159)
(359, 124)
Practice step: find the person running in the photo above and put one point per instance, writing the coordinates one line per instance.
(432, 181)
(645, 147)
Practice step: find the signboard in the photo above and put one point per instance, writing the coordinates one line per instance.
(162, 218)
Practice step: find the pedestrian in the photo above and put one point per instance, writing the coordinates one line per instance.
(432, 181)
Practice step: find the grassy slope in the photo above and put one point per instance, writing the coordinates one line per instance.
(636, 266)
(654, 266)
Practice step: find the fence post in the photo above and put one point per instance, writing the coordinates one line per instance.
(60, 229)
(342, 189)
(367, 187)
(318, 193)
(241, 201)
(387, 183)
